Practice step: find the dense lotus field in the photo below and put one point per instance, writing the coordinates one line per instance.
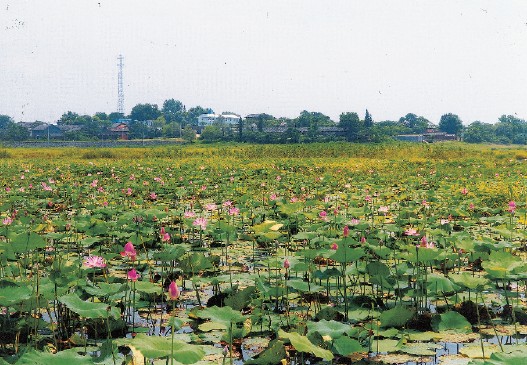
(319, 254)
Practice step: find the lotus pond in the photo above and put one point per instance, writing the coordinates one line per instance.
(319, 254)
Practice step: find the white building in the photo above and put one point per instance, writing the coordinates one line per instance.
(209, 119)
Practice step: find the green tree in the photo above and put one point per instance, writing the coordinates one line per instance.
(69, 118)
(101, 116)
(211, 133)
(139, 129)
(115, 116)
(15, 132)
(142, 112)
(368, 120)
(173, 111)
(5, 120)
(313, 120)
(240, 130)
(188, 134)
(510, 129)
(352, 125)
(172, 130)
(478, 132)
(450, 123)
(415, 123)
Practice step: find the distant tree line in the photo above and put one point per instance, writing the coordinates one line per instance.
(174, 120)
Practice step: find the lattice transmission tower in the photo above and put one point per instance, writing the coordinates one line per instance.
(120, 88)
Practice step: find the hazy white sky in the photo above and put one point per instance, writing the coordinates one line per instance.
(280, 57)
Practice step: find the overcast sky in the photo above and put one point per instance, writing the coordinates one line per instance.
(279, 57)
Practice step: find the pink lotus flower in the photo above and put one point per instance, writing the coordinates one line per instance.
(444, 221)
(133, 275)
(323, 214)
(227, 203)
(334, 246)
(464, 191)
(211, 206)
(189, 214)
(165, 237)
(94, 262)
(129, 251)
(471, 206)
(383, 209)
(234, 211)
(273, 197)
(287, 264)
(153, 196)
(512, 207)
(346, 231)
(354, 222)
(7, 221)
(45, 187)
(129, 191)
(173, 291)
(367, 198)
(411, 232)
(200, 222)
(363, 239)
(426, 244)
(94, 183)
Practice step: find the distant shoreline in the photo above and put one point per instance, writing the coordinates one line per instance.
(92, 144)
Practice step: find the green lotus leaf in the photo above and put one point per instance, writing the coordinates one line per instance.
(105, 289)
(14, 294)
(469, 281)
(302, 344)
(386, 345)
(451, 321)
(346, 254)
(396, 317)
(26, 242)
(273, 354)
(155, 347)
(303, 286)
(225, 315)
(87, 309)
(241, 298)
(332, 329)
(90, 241)
(440, 285)
(32, 357)
(147, 287)
(377, 268)
(170, 253)
(512, 358)
(500, 264)
(421, 348)
(346, 346)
